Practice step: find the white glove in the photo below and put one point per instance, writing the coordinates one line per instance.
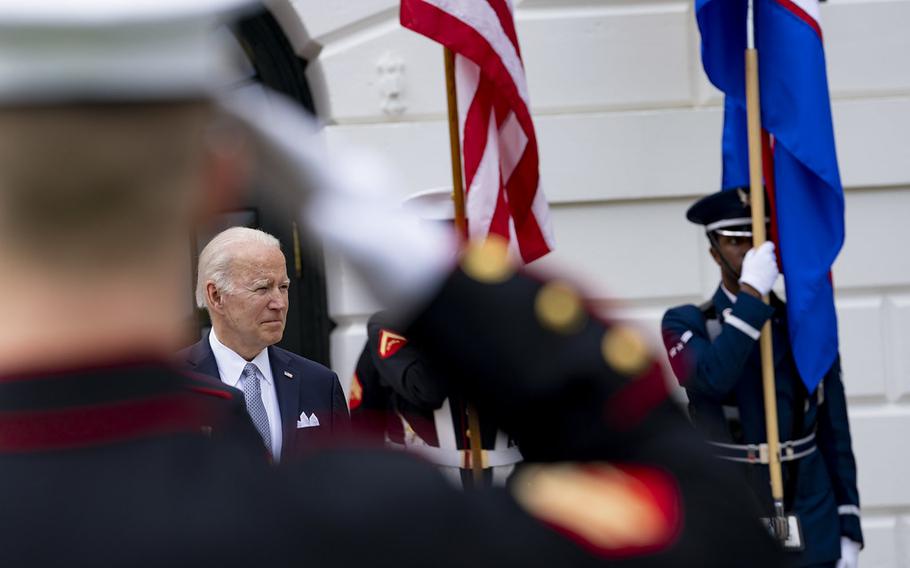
(849, 553)
(346, 202)
(760, 268)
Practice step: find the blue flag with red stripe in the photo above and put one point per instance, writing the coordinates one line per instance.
(796, 111)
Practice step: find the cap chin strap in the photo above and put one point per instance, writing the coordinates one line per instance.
(724, 264)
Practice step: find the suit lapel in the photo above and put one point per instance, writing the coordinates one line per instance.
(201, 359)
(287, 386)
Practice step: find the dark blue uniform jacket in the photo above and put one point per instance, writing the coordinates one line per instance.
(721, 368)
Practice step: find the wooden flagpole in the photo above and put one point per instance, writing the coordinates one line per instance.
(461, 223)
(475, 442)
(757, 194)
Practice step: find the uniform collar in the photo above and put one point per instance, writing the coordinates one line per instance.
(730, 296)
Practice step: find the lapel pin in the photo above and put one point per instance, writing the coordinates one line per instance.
(288, 375)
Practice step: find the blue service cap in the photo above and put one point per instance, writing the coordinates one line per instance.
(727, 212)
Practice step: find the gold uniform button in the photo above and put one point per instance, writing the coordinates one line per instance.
(488, 262)
(559, 308)
(625, 350)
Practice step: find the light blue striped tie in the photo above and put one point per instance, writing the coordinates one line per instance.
(252, 393)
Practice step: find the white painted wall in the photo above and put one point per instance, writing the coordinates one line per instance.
(629, 135)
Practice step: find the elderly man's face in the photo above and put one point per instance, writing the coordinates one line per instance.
(256, 310)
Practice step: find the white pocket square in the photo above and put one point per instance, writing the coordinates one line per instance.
(304, 422)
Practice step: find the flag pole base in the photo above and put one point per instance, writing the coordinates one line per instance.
(787, 530)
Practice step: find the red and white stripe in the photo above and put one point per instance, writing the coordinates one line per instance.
(806, 10)
(498, 143)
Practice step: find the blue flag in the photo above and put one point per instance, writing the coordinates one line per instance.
(796, 111)
(734, 146)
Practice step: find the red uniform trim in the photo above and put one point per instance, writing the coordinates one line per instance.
(212, 392)
(627, 408)
(119, 421)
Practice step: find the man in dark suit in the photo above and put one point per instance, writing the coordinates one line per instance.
(713, 349)
(295, 404)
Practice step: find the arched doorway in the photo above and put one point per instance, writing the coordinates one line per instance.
(274, 64)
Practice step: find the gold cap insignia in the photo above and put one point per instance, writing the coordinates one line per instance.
(743, 197)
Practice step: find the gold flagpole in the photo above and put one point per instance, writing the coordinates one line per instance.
(475, 442)
(753, 113)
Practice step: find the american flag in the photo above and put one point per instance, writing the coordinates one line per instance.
(498, 145)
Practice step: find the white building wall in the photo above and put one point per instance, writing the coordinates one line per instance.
(629, 132)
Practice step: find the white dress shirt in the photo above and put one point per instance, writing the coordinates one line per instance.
(230, 367)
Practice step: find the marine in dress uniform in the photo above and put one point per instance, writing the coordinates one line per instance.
(114, 464)
(713, 349)
(118, 402)
(399, 400)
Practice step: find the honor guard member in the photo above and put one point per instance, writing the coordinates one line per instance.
(713, 349)
(105, 454)
(399, 400)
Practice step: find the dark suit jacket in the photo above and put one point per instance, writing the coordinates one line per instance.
(302, 386)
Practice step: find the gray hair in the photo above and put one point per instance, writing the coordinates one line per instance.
(217, 256)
